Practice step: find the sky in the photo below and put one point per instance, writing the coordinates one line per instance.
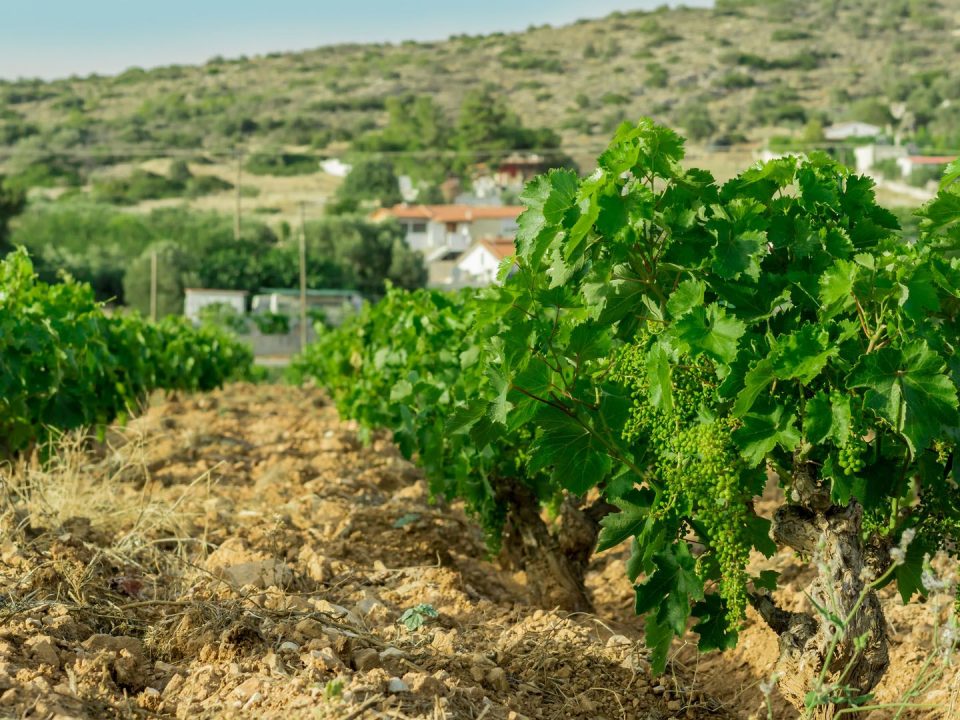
(59, 38)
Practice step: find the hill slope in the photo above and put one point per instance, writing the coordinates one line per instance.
(731, 74)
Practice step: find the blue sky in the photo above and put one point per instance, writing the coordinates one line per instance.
(57, 38)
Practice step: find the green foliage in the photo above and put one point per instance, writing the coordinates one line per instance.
(871, 111)
(272, 323)
(369, 182)
(404, 364)
(414, 618)
(64, 364)
(111, 249)
(676, 337)
(12, 203)
(695, 119)
(282, 164)
(657, 75)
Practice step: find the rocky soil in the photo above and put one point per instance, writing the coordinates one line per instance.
(241, 555)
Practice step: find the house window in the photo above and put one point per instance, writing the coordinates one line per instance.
(451, 227)
(418, 227)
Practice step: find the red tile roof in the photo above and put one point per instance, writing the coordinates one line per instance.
(931, 159)
(500, 247)
(449, 213)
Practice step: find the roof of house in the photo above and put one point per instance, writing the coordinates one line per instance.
(847, 129)
(294, 292)
(215, 291)
(499, 247)
(931, 159)
(449, 213)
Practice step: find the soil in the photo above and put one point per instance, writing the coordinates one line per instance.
(241, 555)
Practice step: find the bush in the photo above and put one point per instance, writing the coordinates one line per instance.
(657, 75)
(695, 119)
(281, 164)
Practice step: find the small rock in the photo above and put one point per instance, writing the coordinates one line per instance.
(674, 705)
(288, 646)
(396, 685)
(443, 642)
(618, 641)
(497, 679)
(423, 684)
(255, 699)
(659, 690)
(366, 659)
(392, 653)
(310, 628)
(326, 658)
(44, 651)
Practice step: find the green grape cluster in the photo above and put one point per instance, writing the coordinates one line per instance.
(944, 449)
(697, 462)
(851, 455)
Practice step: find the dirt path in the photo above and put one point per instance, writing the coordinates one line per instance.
(241, 555)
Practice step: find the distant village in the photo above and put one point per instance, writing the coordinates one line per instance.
(463, 244)
(465, 241)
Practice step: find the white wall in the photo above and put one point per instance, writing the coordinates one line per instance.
(478, 266)
(193, 301)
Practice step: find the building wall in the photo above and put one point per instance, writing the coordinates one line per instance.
(478, 266)
(193, 302)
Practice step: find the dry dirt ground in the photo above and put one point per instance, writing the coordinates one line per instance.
(240, 555)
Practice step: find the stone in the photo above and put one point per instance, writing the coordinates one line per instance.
(43, 650)
(366, 659)
(424, 684)
(497, 679)
(254, 700)
(396, 685)
(618, 641)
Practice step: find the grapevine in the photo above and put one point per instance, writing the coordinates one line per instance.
(64, 364)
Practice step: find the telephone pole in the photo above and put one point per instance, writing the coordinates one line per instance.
(303, 279)
(153, 286)
(236, 214)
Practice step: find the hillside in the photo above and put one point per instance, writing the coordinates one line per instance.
(738, 73)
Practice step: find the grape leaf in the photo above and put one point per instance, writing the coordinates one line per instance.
(687, 296)
(629, 522)
(709, 331)
(763, 431)
(910, 389)
(801, 355)
(579, 460)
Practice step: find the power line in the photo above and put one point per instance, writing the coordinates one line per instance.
(99, 153)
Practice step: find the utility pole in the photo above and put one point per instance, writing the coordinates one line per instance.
(303, 279)
(153, 286)
(236, 215)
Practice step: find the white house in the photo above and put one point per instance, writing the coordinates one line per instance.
(478, 266)
(335, 304)
(867, 156)
(445, 231)
(847, 130)
(335, 167)
(911, 162)
(197, 298)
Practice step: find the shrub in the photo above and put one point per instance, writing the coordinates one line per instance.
(282, 164)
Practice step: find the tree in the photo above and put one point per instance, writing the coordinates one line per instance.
(367, 254)
(415, 125)
(372, 181)
(12, 203)
(92, 242)
(175, 273)
(351, 253)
